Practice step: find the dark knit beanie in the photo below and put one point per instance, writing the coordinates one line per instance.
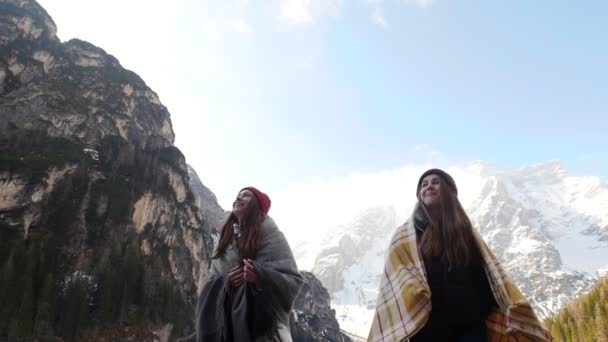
(444, 176)
(262, 198)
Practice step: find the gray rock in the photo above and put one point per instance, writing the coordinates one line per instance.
(312, 318)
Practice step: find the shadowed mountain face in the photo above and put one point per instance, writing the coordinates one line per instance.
(101, 237)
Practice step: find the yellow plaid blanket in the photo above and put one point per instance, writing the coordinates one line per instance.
(404, 299)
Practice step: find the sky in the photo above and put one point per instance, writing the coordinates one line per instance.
(288, 94)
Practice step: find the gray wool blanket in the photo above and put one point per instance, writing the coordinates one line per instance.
(249, 313)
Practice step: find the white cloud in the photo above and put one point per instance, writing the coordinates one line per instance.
(221, 19)
(297, 12)
(241, 27)
(242, 3)
(377, 9)
(380, 20)
(428, 152)
(211, 30)
(421, 3)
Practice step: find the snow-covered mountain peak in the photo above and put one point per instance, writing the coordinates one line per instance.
(553, 169)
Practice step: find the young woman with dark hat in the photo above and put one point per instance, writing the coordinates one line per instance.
(441, 282)
(253, 279)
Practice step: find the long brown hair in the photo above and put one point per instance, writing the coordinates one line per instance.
(451, 237)
(249, 242)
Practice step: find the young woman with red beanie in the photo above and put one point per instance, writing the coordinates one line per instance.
(441, 282)
(253, 278)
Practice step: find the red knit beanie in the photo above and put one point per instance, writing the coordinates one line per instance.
(262, 198)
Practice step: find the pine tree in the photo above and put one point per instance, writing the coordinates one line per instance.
(556, 332)
(46, 311)
(25, 314)
(10, 294)
(601, 330)
(107, 293)
(74, 310)
(584, 319)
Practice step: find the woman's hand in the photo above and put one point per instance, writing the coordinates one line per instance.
(235, 276)
(250, 274)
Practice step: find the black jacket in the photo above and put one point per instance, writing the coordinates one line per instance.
(461, 298)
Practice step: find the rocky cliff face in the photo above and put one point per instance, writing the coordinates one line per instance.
(312, 318)
(97, 221)
(207, 202)
(71, 89)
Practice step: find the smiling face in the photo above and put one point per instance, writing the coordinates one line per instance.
(430, 193)
(242, 203)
